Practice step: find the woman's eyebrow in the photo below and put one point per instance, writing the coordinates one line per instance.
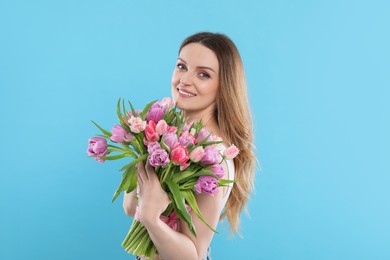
(182, 60)
(199, 67)
(206, 68)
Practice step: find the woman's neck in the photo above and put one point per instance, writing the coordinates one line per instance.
(209, 121)
(206, 116)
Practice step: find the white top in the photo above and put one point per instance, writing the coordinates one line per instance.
(230, 166)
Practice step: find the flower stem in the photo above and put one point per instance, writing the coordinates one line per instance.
(134, 230)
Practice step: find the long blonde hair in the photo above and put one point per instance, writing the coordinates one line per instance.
(233, 117)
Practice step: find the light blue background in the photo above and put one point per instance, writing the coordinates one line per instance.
(318, 75)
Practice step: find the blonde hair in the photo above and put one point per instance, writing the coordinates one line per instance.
(234, 119)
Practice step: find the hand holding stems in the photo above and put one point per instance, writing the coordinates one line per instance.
(152, 199)
(152, 202)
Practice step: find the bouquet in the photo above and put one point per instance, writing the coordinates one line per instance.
(186, 157)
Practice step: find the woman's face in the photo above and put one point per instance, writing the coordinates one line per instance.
(195, 80)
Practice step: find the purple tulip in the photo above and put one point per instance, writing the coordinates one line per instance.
(153, 146)
(155, 112)
(217, 169)
(159, 157)
(211, 155)
(202, 134)
(97, 146)
(120, 135)
(170, 139)
(206, 184)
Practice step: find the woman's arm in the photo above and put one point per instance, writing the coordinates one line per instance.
(171, 244)
(130, 202)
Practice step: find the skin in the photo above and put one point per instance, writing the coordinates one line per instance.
(196, 72)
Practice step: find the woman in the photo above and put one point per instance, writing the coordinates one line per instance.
(208, 84)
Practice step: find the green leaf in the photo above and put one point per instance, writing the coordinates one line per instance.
(104, 136)
(169, 116)
(195, 175)
(224, 182)
(105, 132)
(179, 205)
(162, 143)
(115, 147)
(118, 111)
(123, 107)
(114, 157)
(131, 153)
(181, 175)
(132, 109)
(138, 143)
(190, 198)
(210, 143)
(129, 181)
(125, 166)
(188, 185)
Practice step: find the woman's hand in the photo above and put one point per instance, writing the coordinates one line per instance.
(152, 199)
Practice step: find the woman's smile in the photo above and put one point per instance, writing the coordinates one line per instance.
(185, 93)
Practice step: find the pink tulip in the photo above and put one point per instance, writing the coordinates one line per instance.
(206, 184)
(97, 146)
(179, 155)
(214, 138)
(172, 129)
(184, 166)
(231, 152)
(162, 127)
(136, 124)
(130, 114)
(172, 220)
(167, 103)
(197, 154)
(120, 135)
(150, 132)
(187, 139)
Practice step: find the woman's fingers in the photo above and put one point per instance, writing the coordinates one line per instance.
(148, 167)
(150, 172)
(141, 175)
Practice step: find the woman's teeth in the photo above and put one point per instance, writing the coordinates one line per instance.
(186, 94)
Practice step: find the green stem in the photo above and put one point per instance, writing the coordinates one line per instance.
(138, 249)
(135, 228)
(166, 174)
(134, 239)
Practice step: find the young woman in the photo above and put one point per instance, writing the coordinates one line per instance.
(208, 84)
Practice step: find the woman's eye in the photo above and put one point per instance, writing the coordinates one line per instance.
(181, 66)
(204, 75)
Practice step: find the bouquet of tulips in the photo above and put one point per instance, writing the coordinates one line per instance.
(186, 157)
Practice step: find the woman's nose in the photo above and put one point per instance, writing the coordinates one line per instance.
(186, 79)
